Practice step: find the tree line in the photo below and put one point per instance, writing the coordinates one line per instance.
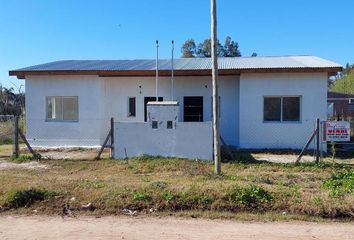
(230, 48)
(344, 81)
(11, 103)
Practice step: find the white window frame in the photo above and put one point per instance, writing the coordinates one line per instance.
(128, 110)
(281, 108)
(62, 109)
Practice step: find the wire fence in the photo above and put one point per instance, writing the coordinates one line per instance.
(81, 141)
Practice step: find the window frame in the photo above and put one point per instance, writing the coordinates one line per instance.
(281, 108)
(62, 109)
(128, 108)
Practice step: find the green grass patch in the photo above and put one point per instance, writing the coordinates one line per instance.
(250, 196)
(341, 183)
(22, 158)
(22, 198)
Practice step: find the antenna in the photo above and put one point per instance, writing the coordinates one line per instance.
(157, 70)
(172, 69)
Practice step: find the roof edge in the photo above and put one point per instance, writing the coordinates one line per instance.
(147, 73)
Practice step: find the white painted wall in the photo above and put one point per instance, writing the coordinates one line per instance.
(241, 106)
(118, 89)
(86, 132)
(102, 98)
(188, 140)
(254, 133)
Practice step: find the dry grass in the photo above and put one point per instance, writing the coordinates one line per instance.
(182, 187)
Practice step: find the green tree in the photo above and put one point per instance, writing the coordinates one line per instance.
(229, 49)
(204, 49)
(11, 103)
(254, 54)
(189, 49)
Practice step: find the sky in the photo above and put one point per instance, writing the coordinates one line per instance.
(39, 31)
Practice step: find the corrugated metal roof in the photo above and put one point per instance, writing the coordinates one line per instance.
(237, 63)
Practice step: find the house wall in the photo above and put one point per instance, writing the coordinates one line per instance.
(103, 98)
(254, 133)
(118, 89)
(86, 132)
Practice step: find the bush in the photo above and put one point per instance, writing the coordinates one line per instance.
(341, 183)
(250, 196)
(141, 196)
(22, 198)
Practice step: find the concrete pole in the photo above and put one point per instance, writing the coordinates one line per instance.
(214, 59)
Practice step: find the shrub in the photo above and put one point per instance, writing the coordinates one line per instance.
(141, 196)
(21, 198)
(168, 196)
(341, 183)
(252, 195)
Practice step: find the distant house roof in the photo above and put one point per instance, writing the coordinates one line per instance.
(182, 66)
(340, 96)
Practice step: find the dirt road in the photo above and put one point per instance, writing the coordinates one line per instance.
(39, 227)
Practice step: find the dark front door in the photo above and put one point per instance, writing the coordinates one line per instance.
(193, 109)
(149, 99)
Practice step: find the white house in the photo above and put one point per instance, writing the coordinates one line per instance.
(266, 102)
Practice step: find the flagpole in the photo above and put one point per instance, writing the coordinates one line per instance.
(157, 70)
(172, 71)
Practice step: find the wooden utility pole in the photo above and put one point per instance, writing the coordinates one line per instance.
(214, 60)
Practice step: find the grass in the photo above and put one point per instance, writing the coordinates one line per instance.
(184, 187)
(341, 183)
(23, 198)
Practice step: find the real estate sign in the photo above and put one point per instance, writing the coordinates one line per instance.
(336, 131)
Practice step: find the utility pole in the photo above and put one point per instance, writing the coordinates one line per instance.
(214, 60)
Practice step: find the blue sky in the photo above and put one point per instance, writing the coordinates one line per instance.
(39, 31)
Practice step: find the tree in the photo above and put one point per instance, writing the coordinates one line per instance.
(11, 103)
(254, 54)
(229, 49)
(204, 49)
(189, 49)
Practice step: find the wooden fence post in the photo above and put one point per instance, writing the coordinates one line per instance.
(112, 138)
(16, 148)
(317, 140)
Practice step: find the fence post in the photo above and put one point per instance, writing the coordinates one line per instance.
(112, 138)
(16, 148)
(317, 140)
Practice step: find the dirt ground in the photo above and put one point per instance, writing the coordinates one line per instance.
(27, 165)
(41, 227)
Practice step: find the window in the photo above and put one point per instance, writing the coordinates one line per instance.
(169, 124)
(154, 124)
(62, 109)
(281, 109)
(131, 107)
(193, 109)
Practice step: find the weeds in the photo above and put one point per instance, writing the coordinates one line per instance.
(21, 158)
(22, 198)
(250, 196)
(341, 183)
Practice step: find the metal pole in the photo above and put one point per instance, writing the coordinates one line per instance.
(172, 71)
(317, 140)
(214, 59)
(157, 70)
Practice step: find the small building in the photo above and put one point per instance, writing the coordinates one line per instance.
(265, 102)
(340, 106)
